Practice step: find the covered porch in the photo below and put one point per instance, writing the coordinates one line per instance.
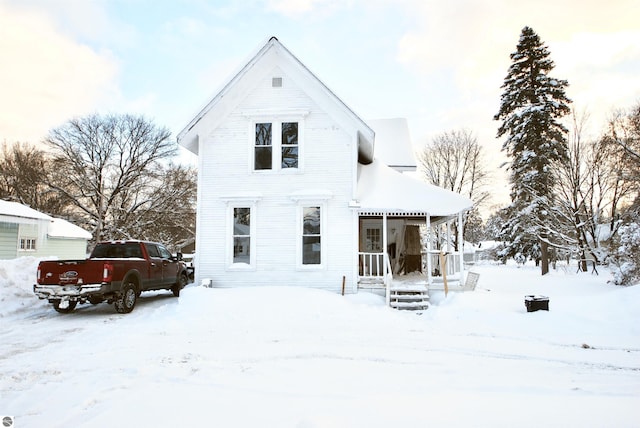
(410, 234)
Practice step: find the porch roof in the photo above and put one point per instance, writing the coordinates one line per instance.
(380, 188)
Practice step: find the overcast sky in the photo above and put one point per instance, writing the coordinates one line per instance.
(438, 63)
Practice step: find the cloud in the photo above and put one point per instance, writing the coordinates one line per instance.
(46, 77)
(593, 44)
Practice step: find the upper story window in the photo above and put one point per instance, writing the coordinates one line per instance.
(276, 146)
(263, 146)
(289, 145)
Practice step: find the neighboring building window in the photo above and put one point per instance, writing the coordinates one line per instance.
(242, 235)
(289, 145)
(27, 244)
(276, 146)
(263, 146)
(311, 236)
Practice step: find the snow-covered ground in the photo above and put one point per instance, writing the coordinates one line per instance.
(290, 357)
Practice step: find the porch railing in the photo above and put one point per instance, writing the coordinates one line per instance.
(452, 264)
(371, 265)
(374, 266)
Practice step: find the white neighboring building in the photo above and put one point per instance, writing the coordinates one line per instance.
(289, 192)
(27, 232)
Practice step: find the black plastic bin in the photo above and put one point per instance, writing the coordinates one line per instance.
(536, 303)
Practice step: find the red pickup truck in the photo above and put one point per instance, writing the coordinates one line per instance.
(115, 272)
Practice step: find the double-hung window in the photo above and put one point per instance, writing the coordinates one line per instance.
(311, 235)
(289, 145)
(276, 145)
(242, 235)
(263, 151)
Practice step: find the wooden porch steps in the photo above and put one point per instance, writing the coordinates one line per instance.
(409, 297)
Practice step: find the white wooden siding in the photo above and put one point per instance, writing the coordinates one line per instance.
(225, 171)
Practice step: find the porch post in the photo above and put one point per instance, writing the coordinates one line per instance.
(461, 247)
(384, 240)
(385, 257)
(429, 238)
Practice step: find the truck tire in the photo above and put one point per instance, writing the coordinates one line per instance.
(127, 299)
(179, 285)
(68, 309)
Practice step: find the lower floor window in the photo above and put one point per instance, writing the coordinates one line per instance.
(27, 244)
(311, 236)
(242, 235)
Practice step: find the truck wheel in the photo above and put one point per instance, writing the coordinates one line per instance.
(65, 310)
(127, 299)
(182, 282)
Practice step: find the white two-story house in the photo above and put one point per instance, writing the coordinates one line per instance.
(290, 191)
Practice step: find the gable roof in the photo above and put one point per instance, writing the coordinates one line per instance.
(273, 50)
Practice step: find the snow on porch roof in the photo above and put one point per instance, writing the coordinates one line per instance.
(380, 188)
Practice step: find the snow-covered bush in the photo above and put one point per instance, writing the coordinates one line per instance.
(626, 263)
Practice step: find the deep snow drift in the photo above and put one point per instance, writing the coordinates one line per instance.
(291, 357)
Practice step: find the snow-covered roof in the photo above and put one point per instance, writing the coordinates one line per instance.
(381, 188)
(59, 228)
(14, 209)
(393, 144)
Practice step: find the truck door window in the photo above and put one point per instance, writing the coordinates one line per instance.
(164, 253)
(153, 251)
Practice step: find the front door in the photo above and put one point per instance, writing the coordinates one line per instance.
(371, 263)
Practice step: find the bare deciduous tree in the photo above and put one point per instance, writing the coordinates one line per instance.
(455, 161)
(164, 211)
(107, 167)
(24, 171)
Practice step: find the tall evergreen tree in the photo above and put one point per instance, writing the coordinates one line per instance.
(531, 105)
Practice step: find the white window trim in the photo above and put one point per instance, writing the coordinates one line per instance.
(229, 264)
(277, 119)
(304, 203)
(26, 239)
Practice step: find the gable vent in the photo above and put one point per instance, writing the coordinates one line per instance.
(276, 82)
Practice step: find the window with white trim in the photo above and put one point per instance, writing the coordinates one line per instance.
(263, 150)
(242, 235)
(27, 244)
(276, 145)
(289, 145)
(311, 235)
